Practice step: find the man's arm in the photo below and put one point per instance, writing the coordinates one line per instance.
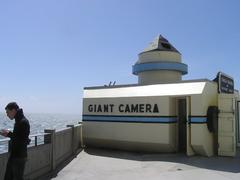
(6, 133)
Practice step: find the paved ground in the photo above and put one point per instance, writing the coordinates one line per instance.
(99, 164)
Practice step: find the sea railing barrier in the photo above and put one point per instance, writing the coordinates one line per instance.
(48, 151)
(36, 139)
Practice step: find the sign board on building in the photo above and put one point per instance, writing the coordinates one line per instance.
(123, 108)
(225, 83)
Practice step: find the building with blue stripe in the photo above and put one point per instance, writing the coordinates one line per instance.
(162, 113)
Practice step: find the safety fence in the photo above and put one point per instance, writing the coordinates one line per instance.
(48, 151)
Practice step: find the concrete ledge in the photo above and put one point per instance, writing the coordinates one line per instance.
(58, 148)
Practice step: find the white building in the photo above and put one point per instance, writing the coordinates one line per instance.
(162, 113)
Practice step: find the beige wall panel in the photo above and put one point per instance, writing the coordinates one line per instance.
(226, 103)
(226, 125)
(163, 76)
(210, 96)
(201, 102)
(152, 133)
(197, 105)
(156, 56)
(201, 139)
(226, 143)
(159, 135)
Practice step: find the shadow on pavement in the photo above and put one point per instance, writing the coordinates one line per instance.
(228, 164)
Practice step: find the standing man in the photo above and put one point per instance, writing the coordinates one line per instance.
(18, 142)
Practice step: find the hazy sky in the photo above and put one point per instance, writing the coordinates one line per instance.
(51, 49)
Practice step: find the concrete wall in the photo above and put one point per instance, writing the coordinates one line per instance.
(3, 163)
(151, 137)
(63, 144)
(201, 139)
(57, 148)
(39, 161)
(127, 135)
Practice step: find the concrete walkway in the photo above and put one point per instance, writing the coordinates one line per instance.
(99, 164)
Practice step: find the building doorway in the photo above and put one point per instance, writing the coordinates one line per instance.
(182, 125)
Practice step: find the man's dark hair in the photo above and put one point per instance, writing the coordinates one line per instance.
(11, 106)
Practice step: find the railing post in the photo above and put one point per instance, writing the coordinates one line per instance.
(51, 138)
(35, 139)
(73, 135)
(81, 135)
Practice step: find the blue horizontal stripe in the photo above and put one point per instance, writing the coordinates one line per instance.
(198, 119)
(144, 119)
(130, 119)
(173, 66)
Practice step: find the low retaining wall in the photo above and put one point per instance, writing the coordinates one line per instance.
(58, 146)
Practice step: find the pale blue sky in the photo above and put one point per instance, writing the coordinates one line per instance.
(51, 49)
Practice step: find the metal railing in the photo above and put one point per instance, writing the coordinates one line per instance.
(4, 140)
(52, 148)
(33, 137)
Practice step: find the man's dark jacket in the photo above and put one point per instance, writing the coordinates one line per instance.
(19, 136)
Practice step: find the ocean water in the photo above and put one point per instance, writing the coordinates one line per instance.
(39, 122)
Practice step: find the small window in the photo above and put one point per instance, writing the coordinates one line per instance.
(165, 45)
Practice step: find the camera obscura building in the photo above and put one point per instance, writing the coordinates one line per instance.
(163, 113)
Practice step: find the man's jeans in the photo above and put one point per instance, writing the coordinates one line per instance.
(15, 169)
